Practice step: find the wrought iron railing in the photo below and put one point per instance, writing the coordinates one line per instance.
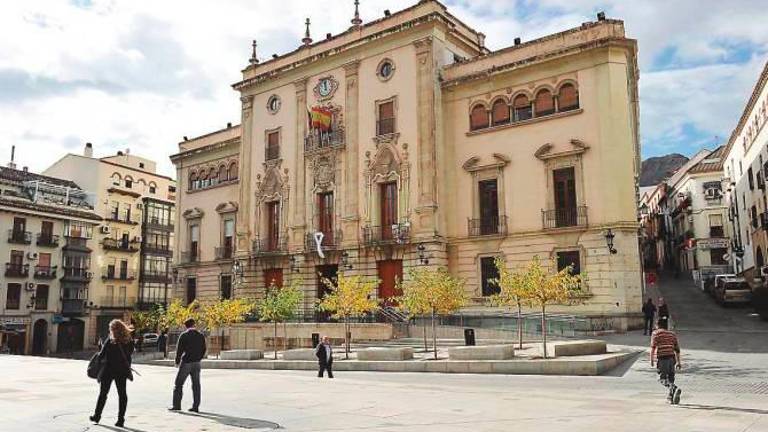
(225, 252)
(331, 240)
(319, 140)
(120, 244)
(19, 236)
(189, 257)
(73, 306)
(45, 272)
(270, 245)
(564, 217)
(113, 273)
(395, 233)
(492, 225)
(117, 302)
(47, 240)
(16, 270)
(77, 274)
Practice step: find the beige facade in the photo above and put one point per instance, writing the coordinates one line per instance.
(124, 275)
(406, 142)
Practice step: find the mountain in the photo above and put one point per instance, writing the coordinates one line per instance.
(655, 169)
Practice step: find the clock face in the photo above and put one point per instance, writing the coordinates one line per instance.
(324, 87)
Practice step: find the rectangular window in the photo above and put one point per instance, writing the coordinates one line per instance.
(225, 282)
(564, 181)
(17, 258)
(751, 178)
(717, 256)
(569, 258)
(46, 231)
(13, 297)
(273, 146)
(489, 207)
(19, 224)
(194, 242)
(228, 242)
(41, 297)
(191, 290)
(716, 226)
(273, 225)
(386, 118)
(44, 261)
(488, 271)
(753, 216)
(123, 269)
(388, 194)
(325, 216)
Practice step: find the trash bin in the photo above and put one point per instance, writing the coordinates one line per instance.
(469, 337)
(315, 339)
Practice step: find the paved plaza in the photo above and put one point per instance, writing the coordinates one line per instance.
(725, 382)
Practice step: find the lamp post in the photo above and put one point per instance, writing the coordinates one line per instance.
(609, 236)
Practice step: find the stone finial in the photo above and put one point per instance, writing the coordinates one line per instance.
(356, 21)
(254, 58)
(307, 39)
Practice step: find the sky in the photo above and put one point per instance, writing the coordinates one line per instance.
(141, 74)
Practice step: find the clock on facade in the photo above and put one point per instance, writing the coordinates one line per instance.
(326, 87)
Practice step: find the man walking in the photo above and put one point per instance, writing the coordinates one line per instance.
(665, 350)
(663, 311)
(324, 354)
(649, 310)
(190, 350)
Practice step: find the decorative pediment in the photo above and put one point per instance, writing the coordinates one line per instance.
(193, 213)
(324, 171)
(227, 207)
(500, 161)
(543, 153)
(273, 184)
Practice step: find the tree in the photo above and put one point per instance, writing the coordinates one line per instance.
(413, 300)
(279, 305)
(547, 287)
(177, 313)
(223, 313)
(349, 297)
(433, 291)
(513, 291)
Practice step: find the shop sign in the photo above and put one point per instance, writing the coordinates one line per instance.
(713, 243)
(12, 320)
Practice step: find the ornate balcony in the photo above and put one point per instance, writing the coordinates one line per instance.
(45, 272)
(116, 274)
(107, 302)
(495, 225)
(270, 246)
(331, 241)
(16, 270)
(316, 141)
(47, 240)
(389, 234)
(19, 237)
(77, 274)
(120, 245)
(189, 257)
(226, 252)
(564, 217)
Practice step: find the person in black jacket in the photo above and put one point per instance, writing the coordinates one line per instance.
(115, 360)
(324, 354)
(190, 350)
(663, 311)
(649, 310)
(162, 343)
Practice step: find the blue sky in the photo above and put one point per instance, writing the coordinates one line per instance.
(141, 74)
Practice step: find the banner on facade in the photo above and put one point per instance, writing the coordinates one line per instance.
(713, 243)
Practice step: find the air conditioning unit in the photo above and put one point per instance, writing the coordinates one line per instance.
(32, 255)
(105, 229)
(30, 286)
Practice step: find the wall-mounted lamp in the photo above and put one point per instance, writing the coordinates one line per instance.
(294, 263)
(423, 259)
(609, 236)
(345, 261)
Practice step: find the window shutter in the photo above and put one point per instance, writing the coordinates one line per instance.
(568, 98)
(500, 112)
(544, 103)
(521, 101)
(478, 118)
(386, 110)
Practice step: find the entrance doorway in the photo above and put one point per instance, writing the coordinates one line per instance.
(390, 273)
(39, 337)
(324, 272)
(70, 336)
(273, 276)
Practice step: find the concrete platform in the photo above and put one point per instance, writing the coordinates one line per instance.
(243, 354)
(307, 354)
(577, 348)
(385, 354)
(482, 352)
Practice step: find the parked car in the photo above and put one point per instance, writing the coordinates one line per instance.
(149, 339)
(716, 282)
(733, 290)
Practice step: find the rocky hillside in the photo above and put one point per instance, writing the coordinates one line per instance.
(655, 169)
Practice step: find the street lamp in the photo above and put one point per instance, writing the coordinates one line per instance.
(237, 271)
(609, 236)
(423, 259)
(345, 260)
(294, 263)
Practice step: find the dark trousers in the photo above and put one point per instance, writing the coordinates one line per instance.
(648, 327)
(665, 366)
(106, 383)
(187, 370)
(325, 366)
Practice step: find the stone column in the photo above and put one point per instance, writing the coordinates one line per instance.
(244, 209)
(426, 203)
(299, 216)
(351, 189)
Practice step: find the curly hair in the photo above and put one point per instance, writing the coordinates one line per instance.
(119, 331)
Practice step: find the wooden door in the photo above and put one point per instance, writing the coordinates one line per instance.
(273, 225)
(388, 209)
(325, 216)
(273, 275)
(565, 196)
(489, 207)
(390, 273)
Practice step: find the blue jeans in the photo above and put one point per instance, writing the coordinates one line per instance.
(187, 370)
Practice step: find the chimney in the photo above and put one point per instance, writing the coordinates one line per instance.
(12, 164)
(119, 152)
(88, 152)
(387, 12)
(229, 125)
(601, 16)
(517, 41)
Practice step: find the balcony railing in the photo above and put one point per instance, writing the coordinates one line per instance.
(564, 217)
(320, 140)
(157, 223)
(155, 249)
(122, 217)
(718, 231)
(47, 240)
(19, 237)
(189, 257)
(385, 126)
(331, 241)
(112, 302)
(155, 276)
(112, 273)
(272, 152)
(395, 233)
(269, 246)
(120, 244)
(73, 307)
(226, 252)
(16, 270)
(77, 274)
(494, 225)
(45, 272)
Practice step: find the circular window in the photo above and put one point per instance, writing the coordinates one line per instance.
(385, 70)
(273, 104)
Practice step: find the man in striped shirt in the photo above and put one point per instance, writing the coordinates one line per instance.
(665, 351)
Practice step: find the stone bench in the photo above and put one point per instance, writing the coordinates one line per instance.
(300, 354)
(385, 354)
(577, 348)
(243, 354)
(482, 352)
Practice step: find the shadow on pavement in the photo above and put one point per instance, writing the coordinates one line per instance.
(722, 408)
(122, 429)
(623, 368)
(240, 422)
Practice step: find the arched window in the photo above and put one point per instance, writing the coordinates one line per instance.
(478, 118)
(152, 187)
(522, 108)
(193, 180)
(545, 104)
(233, 171)
(213, 176)
(223, 173)
(117, 180)
(500, 112)
(128, 182)
(567, 98)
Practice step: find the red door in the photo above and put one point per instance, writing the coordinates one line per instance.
(390, 272)
(275, 276)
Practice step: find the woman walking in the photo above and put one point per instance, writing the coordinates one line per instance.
(115, 358)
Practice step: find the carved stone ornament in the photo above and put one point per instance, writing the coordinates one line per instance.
(227, 207)
(323, 172)
(193, 213)
(544, 152)
(273, 184)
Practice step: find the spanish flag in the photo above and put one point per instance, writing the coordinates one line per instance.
(321, 118)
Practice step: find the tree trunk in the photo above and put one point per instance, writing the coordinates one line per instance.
(346, 337)
(544, 327)
(520, 324)
(274, 341)
(424, 325)
(285, 336)
(434, 333)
